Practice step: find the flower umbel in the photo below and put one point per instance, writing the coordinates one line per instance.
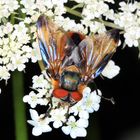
(59, 113)
(19, 46)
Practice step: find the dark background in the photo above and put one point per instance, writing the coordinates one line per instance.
(112, 122)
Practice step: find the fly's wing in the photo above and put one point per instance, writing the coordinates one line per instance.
(96, 51)
(54, 45)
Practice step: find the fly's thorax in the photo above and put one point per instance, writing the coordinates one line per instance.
(69, 80)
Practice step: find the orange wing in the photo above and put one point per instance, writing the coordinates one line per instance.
(55, 46)
(95, 52)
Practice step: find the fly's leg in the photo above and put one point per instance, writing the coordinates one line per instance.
(107, 99)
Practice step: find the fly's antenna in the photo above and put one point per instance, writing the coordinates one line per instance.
(107, 99)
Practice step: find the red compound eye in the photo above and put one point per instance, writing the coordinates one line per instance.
(60, 93)
(76, 96)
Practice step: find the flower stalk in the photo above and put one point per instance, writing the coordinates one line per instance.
(73, 12)
(19, 106)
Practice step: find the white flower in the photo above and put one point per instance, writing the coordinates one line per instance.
(18, 62)
(68, 23)
(4, 74)
(40, 82)
(27, 50)
(111, 70)
(42, 92)
(35, 53)
(58, 117)
(40, 124)
(92, 101)
(109, 14)
(12, 5)
(132, 36)
(29, 6)
(76, 109)
(80, 1)
(31, 99)
(75, 128)
(127, 7)
(59, 3)
(97, 27)
(95, 9)
(27, 20)
(8, 28)
(84, 114)
(59, 10)
(86, 92)
(125, 20)
(20, 29)
(7, 7)
(111, 1)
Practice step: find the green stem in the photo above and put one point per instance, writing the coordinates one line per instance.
(106, 23)
(20, 19)
(12, 19)
(80, 5)
(19, 106)
(73, 12)
(109, 24)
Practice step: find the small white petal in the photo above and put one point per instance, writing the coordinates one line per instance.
(34, 114)
(96, 107)
(73, 133)
(86, 91)
(81, 132)
(95, 98)
(36, 131)
(84, 114)
(111, 70)
(57, 124)
(90, 110)
(26, 98)
(32, 122)
(66, 130)
(71, 119)
(82, 123)
(46, 128)
(33, 105)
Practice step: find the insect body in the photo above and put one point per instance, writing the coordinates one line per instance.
(73, 60)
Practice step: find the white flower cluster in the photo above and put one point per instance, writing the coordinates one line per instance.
(43, 89)
(17, 34)
(95, 9)
(16, 37)
(14, 51)
(73, 121)
(7, 7)
(14, 48)
(50, 8)
(129, 19)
